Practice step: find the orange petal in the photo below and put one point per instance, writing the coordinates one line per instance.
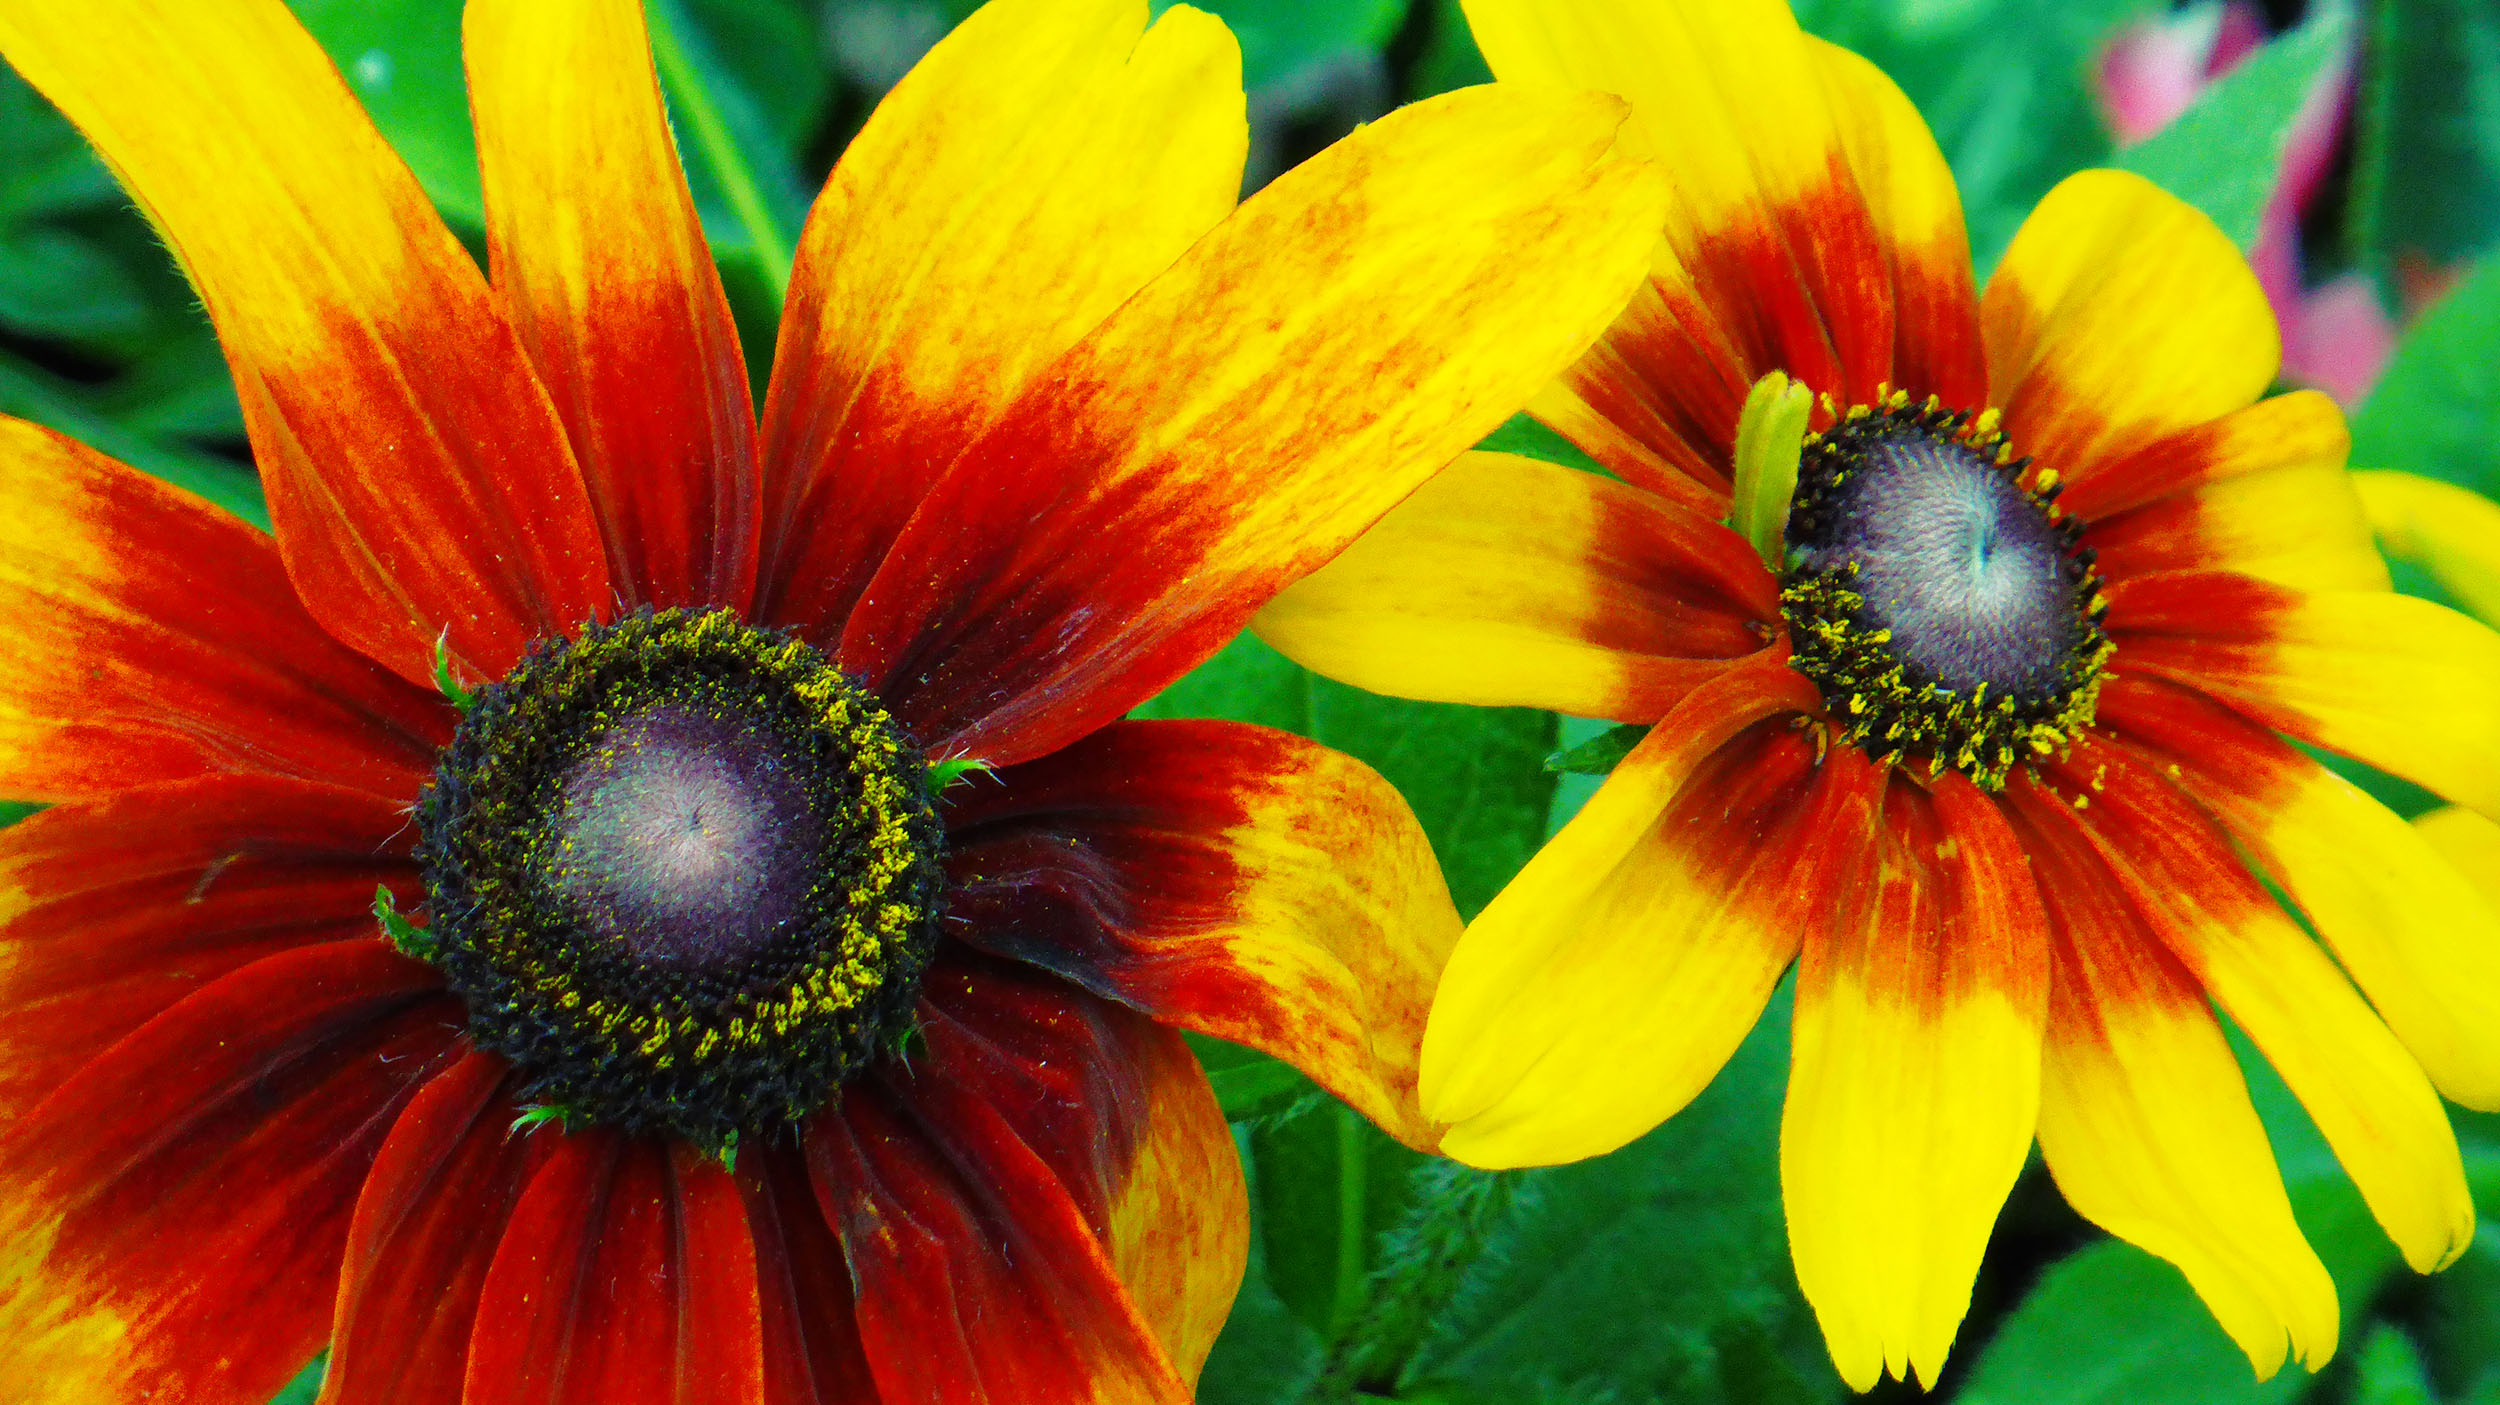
(2144, 1118)
(1040, 165)
(2414, 932)
(1180, 1225)
(2119, 314)
(427, 1225)
(1505, 582)
(1916, 1081)
(418, 476)
(152, 637)
(172, 1216)
(1605, 986)
(2365, 1093)
(1224, 878)
(2304, 429)
(113, 910)
(2299, 525)
(2403, 684)
(812, 1354)
(1351, 329)
(597, 253)
(625, 1274)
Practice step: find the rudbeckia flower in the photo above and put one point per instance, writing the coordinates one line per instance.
(837, 1084)
(1982, 714)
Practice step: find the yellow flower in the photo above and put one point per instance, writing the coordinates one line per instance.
(1984, 731)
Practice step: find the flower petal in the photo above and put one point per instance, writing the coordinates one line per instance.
(625, 1274)
(171, 1217)
(812, 1354)
(2118, 314)
(2299, 526)
(980, 1277)
(426, 1226)
(2413, 932)
(2144, 1118)
(1768, 231)
(2452, 532)
(597, 254)
(2304, 429)
(152, 637)
(1505, 582)
(1605, 986)
(1917, 210)
(111, 911)
(1230, 879)
(1122, 1113)
(1916, 1081)
(418, 476)
(2365, 1093)
(1040, 165)
(2401, 683)
(1350, 330)
(2468, 841)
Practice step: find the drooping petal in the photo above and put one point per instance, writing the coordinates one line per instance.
(2414, 932)
(112, 911)
(1120, 1111)
(1230, 879)
(812, 1354)
(2405, 685)
(1505, 582)
(2144, 1118)
(426, 1226)
(2452, 532)
(596, 252)
(1915, 1085)
(419, 478)
(2304, 429)
(2120, 314)
(625, 1274)
(2298, 526)
(2365, 1093)
(1605, 986)
(980, 1276)
(1041, 164)
(152, 637)
(171, 1217)
(1304, 367)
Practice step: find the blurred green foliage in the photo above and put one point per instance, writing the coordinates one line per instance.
(1659, 1273)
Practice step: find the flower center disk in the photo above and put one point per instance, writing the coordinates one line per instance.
(685, 874)
(1935, 593)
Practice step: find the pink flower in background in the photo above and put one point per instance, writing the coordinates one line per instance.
(2336, 336)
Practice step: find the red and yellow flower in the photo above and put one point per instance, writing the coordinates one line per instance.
(869, 1092)
(1987, 728)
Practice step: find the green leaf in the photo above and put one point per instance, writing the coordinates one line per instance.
(58, 284)
(33, 393)
(1250, 1085)
(2426, 143)
(1600, 755)
(306, 1387)
(2436, 411)
(11, 811)
(1282, 38)
(1658, 1272)
(2461, 1336)
(1530, 438)
(1329, 1183)
(2391, 1371)
(2224, 154)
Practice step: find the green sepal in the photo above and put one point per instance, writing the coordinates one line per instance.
(538, 1115)
(1770, 444)
(727, 1152)
(944, 774)
(1599, 754)
(459, 697)
(411, 939)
